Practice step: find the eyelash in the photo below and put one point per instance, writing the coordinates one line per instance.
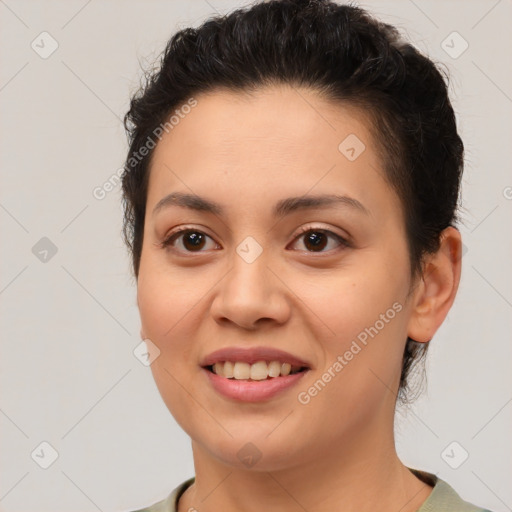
(166, 243)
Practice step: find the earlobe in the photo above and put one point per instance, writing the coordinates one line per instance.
(437, 287)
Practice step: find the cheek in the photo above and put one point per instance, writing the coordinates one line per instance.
(166, 298)
(348, 303)
(366, 317)
(166, 309)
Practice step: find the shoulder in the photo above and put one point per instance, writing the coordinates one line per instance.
(443, 497)
(169, 504)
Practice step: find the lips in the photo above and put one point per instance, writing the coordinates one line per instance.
(230, 372)
(253, 355)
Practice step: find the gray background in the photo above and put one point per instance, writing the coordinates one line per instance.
(69, 320)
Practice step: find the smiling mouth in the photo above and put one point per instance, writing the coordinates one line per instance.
(261, 370)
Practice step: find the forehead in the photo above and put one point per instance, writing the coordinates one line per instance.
(274, 141)
(275, 118)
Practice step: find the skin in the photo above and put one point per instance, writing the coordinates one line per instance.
(247, 152)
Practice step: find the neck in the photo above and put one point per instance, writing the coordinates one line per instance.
(363, 475)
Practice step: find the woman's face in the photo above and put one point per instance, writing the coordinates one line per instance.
(326, 284)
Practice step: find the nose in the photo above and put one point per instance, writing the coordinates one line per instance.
(251, 294)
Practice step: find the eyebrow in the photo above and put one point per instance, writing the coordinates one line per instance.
(281, 208)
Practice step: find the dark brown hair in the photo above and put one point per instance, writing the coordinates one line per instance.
(346, 55)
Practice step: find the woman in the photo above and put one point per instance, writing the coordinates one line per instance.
(290, 203)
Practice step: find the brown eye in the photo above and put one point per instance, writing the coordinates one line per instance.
(188, 240)
(315, 240)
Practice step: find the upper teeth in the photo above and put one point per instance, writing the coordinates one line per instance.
(257, 371)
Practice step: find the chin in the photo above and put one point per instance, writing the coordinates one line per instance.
(253, 452)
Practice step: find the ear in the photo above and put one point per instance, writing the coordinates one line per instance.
(435, 290)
